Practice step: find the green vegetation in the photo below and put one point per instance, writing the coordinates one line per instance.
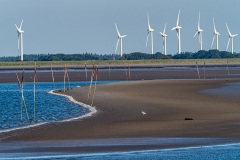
(137, 58)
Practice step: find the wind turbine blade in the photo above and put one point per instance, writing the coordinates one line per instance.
(147, 39)
(212, 41)
(228, 30)
(116, 45)
(148, 21)
(214, 26)
(234, 35)
(16, 27)
(164, 28)
(117, 30)
(173, 28)
(228, 44)
(178, 17)
(199, 21)
(21, 24)
(195, 34)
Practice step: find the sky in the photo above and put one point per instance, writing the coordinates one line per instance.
(80, 26)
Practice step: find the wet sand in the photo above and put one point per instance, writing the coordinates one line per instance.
(166, 103)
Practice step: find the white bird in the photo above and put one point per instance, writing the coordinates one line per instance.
(20, 39)
(199, 32)
(144, 113)
(150, 31)
(231, 36)
(120, 37)
(178, 29)
(164, 36)
(216, 34)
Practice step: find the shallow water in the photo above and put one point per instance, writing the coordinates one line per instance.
(226, 90)
(49, 107)
(213, 152)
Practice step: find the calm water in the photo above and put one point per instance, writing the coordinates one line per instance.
(49, 107)
(218, 152)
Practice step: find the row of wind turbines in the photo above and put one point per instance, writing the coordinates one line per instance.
(178, 28)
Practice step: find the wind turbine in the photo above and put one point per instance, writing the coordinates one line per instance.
(120, 37)
(216, 34)
(164, 36)
(231, 36)
(150, 30)
(199, 32)
(20, 39)
(178, 29)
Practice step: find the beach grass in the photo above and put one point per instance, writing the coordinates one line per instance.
(125, 62)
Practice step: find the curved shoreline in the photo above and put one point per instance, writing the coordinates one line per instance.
(70, 98)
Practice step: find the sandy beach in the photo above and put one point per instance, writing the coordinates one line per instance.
(166, 103)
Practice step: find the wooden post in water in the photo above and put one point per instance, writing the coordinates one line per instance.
(90, 86)
(20, 87)
(95, 87)
(68, 78)
(64, 79)
(34, 90)
(204, 70)
(198, 71)
(109, 70)
(23, 96)
(227, 68)
(86, 71)
(53, 77)
(129, 72)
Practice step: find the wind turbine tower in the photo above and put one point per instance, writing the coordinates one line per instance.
(20, 39)
(231, 36)
(120, 37)
(199, 32)
(216, 34)
(164, 36)
(178, 29)
(150, 31)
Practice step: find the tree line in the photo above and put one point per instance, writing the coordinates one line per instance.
(202, 54)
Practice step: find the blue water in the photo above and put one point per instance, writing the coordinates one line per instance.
(217, 152)
(49, 107)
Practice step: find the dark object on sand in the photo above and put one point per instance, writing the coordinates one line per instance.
(188, 119)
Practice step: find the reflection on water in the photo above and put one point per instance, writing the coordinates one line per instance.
(49, 107)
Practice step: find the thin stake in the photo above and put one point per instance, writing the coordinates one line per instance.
(126, 73)
(35, 77)
(129, 72)
(86, 71)
(23, 96)
(53, 76)
(204, 69)
(198, 71)
(227, 68)
(90, 86)
(64, 79)
(109, 70)
(95, 88)
(19, 84)
(68, 78)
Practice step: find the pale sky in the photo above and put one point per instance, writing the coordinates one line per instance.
(79, 26)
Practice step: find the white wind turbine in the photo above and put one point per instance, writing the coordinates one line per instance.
(20, 39)
(199, 32)
(216, 34)
(164, 36)
(150, 30)
(178, 29)
(120, 37)
(231, 36)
